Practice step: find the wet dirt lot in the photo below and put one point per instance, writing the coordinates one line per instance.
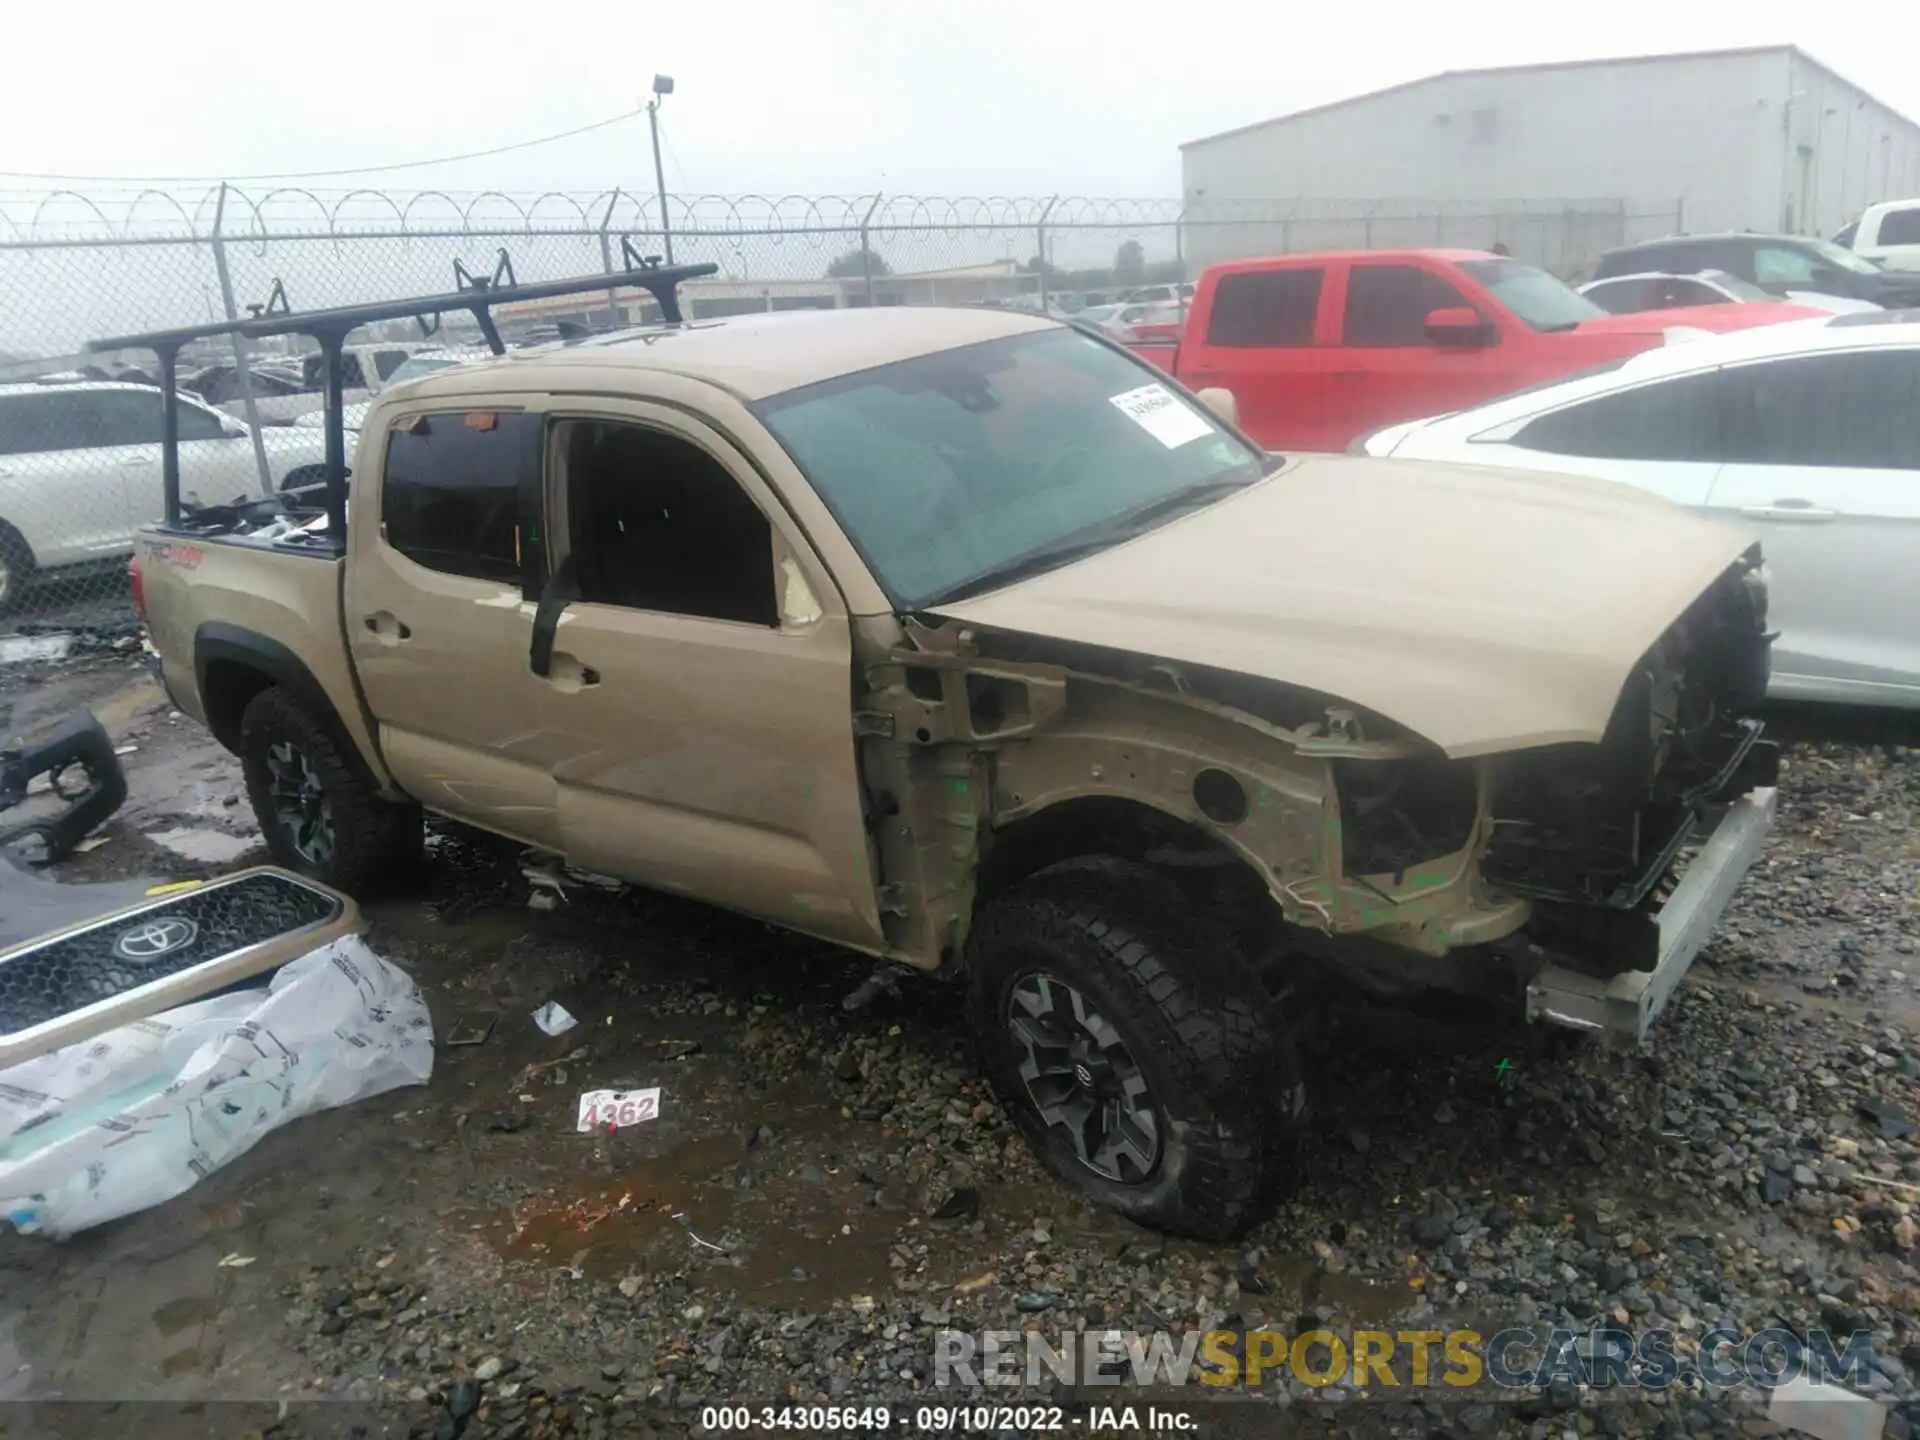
(824, 1190)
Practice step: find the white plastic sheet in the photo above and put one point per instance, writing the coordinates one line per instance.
(135, 1117)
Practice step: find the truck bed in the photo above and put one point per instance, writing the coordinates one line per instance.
(271, 598)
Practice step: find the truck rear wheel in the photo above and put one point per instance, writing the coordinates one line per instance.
(318, 808)
(1132, 1047)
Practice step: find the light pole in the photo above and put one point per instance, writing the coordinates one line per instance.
(662, 87)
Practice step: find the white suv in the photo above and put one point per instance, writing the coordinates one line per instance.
(80, 470)
(1887, 234)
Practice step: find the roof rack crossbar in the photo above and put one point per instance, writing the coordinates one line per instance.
(658, 280)
(477, 295)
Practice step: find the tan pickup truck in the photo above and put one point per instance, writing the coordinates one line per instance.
(965, 639)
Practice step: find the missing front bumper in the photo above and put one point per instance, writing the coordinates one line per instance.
(1625, 1007)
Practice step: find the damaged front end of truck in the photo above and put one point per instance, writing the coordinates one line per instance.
(1571, 883)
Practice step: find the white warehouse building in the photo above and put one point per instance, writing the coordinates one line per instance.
(1559, 161)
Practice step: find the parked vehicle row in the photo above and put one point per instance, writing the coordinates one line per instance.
(1318, 349)
(283, 392)
(1781, 265)
(424, 363)
(1805, 433)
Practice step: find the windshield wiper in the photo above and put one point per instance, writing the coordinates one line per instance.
(1034, 562)
(1190, 498)
(1121, 527)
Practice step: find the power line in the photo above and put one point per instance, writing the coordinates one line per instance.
(673, 155)
(324, 174)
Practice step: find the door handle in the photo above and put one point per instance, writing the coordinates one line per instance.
(1791, 511)
(388, 628)
(135, 460)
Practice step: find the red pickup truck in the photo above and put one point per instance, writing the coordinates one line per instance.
(1320, 349)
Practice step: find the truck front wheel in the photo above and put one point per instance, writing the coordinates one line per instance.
(1132, 1047)
(318, 808)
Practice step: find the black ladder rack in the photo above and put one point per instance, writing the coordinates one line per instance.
(329, 328)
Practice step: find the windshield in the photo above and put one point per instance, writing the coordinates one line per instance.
(417, 365)
(953, 466)
(1842, 259)
(1539, 299)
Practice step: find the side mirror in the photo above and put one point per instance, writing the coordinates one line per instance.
(1221, 403)
(233, 430)
(1459, 326)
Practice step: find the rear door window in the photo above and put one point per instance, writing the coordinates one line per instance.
(125, 417)
(1675, 419)
(1899, 227)
(1860, 410)
(53, 420)
(24, 427)
(451, 493)
(1619, 297)
(1260, 308)
(1389, 304)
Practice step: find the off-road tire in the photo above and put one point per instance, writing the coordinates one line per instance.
(376, 843)
(16, 568)
(1221, 1075)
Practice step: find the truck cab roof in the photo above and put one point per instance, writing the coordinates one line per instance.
(752, 356)
(1434, 254)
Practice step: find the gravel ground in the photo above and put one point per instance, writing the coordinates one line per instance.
(824, 1190)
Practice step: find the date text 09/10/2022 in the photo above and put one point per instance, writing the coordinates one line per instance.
(944, 1419)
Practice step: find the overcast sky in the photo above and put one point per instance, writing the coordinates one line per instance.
(1009, 97)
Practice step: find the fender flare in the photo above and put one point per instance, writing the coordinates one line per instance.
(217, 641)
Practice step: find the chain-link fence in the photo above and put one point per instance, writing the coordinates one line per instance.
(79, 432)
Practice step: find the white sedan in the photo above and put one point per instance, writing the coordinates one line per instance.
(1805, 434)
(80, 470)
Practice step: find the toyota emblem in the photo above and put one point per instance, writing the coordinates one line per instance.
(155, 939)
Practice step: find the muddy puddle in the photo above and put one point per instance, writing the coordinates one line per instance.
(806, 1243)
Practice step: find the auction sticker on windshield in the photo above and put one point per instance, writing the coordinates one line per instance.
(1155, 410)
